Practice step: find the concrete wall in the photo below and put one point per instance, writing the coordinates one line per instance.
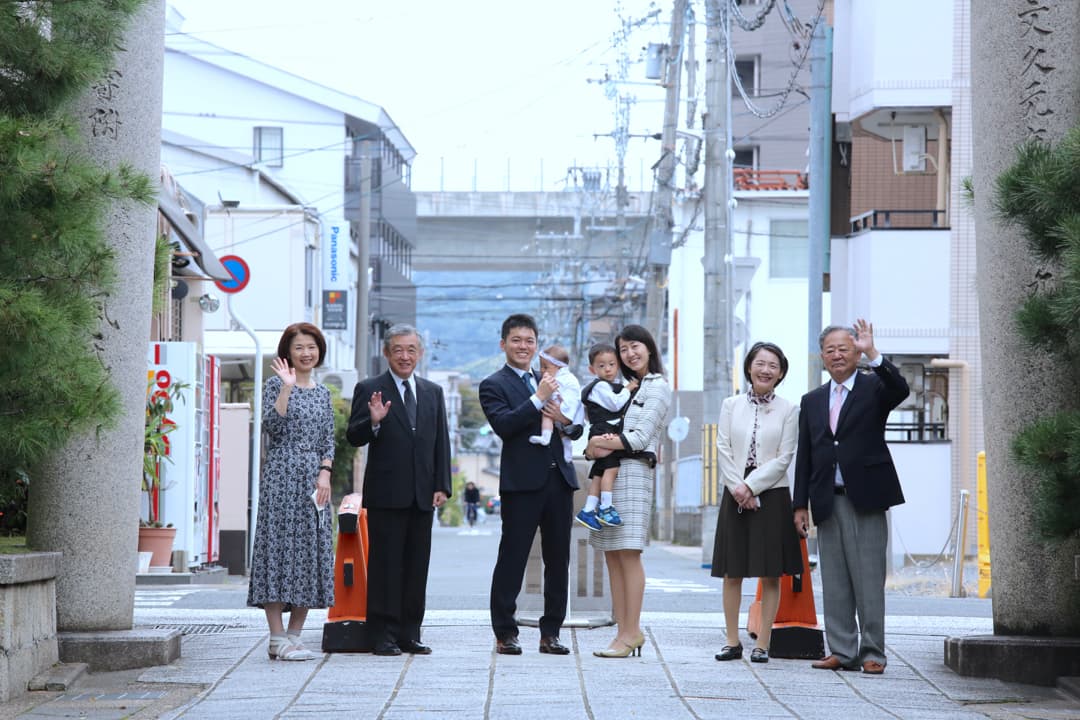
(28, 642)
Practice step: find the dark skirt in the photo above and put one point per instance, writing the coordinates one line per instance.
(761, 543)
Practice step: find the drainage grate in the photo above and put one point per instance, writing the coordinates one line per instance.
(210, 629)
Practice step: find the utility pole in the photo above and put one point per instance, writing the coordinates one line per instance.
(717, 192)
(820, 189)
(660, 256)
(660, 250)
(363, 281)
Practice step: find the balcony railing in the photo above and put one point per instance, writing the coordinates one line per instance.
(750, 179)
(898, 220)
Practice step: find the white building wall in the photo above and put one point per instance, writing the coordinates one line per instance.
(921, 525)
(891, 54)
(273, 242)
(223, 108)
(899, 281)
(775, 309)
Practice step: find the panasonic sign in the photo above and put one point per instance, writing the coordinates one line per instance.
(335, 255)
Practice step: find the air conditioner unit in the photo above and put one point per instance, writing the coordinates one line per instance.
(344, 380)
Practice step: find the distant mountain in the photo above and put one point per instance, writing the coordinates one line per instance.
(462, 312)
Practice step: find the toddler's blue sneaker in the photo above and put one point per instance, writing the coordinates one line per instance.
(609, 516)
(588, 519)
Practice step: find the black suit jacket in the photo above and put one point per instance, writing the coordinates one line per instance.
(523, 466)
(403, 468)
(858, 446)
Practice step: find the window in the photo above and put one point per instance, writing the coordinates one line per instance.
(269, 146)
(746, 69)
(745, 157)
(789, 248)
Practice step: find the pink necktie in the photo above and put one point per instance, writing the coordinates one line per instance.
(834, 409)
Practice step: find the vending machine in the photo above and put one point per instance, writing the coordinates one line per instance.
(189, 479)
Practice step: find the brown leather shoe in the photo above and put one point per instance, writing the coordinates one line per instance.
(873, 667)
(831, 663)
(509, 646)
(550, 645)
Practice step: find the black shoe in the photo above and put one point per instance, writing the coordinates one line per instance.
(550, 645)
(759, 655)
(729, 652)
(509, 646)
(387, 648)
(415, 648)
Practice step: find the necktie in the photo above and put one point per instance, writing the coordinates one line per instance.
(528, 378)
(837, 403)
(410, 404)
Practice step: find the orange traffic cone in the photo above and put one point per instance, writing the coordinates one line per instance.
(795, 632)
(346, 627)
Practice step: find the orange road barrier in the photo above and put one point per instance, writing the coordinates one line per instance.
(795, 632)
(346, 627)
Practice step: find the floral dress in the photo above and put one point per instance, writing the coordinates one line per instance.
(293, 560)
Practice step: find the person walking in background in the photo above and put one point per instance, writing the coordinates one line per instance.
(755, 442)
(536, 486)
(472, 502)
(292, 564)
(402, 420)
(845, 475)
(605, 400)
(643, 425)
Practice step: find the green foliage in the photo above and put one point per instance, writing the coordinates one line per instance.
(14, 488)
(1051, 446)
(163, 254)
(52, 50)
(967, 190)
(159, 424)
(341, 479)
(56, 265)
(452, 513)
(472, 415)
(1040, 194)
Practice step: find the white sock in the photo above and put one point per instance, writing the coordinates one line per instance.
(545, 436)
(605, 500)
(590, 503)
(536, 439)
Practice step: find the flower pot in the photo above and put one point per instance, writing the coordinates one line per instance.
(158, 541)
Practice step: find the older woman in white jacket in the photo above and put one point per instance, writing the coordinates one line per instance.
(756, 439)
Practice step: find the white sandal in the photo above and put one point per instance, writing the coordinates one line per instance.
(277, 644)
(288, 647)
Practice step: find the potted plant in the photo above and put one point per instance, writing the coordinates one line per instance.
(154, 536)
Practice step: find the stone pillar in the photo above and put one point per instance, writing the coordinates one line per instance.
(86, 500)
(1025, 84)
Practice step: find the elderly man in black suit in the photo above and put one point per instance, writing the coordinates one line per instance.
(536, 487)
(402, 420)
(845, 474)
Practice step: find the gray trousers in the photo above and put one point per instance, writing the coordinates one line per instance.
(852, 547)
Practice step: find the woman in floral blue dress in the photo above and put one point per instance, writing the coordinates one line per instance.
(292, 568)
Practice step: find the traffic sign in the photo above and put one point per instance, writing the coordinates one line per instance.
(241, 274)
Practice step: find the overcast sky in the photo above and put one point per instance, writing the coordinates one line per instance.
(475, 79)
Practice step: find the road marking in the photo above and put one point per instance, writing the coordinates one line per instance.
(161, 598)
(666, 585)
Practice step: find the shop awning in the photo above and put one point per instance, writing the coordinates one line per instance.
(191, 237)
